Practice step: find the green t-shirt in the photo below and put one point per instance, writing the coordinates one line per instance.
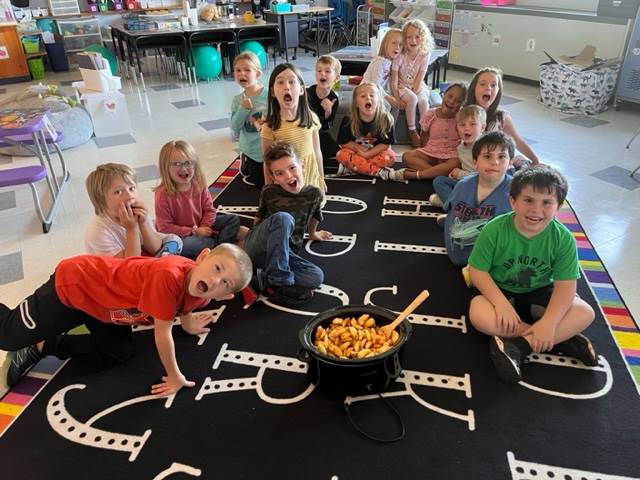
(519, 264)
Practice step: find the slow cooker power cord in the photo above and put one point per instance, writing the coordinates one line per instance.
(347, 409)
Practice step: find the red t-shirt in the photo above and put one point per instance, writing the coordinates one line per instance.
(126, 291)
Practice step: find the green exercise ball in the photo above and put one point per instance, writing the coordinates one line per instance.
(207, 61)
(257, 48)
(106, 54)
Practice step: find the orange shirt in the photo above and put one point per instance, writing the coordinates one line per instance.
(126, 291)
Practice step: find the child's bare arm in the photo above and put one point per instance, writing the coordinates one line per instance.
(174, 380)
(356, 147)
(394, 84)
(520, 142)
(507, 319)
(543, 331)
(372, 152)
(417, 82)
(315, 234)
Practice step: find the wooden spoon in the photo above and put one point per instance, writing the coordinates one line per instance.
(387, 329)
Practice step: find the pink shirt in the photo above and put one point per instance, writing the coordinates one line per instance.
(181, 212)
(408, 69)
(443, 135)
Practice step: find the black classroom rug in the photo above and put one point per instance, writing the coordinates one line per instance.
(253, 413)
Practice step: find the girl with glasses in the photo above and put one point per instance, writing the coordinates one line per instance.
(184, 206)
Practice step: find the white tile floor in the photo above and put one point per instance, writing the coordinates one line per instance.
(609, 214)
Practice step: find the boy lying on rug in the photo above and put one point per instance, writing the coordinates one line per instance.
(109, 295)
(525, 266)
(287, 207)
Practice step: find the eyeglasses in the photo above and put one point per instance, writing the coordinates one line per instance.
(185, 164)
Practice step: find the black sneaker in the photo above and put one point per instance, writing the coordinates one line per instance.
(507, 357)
(579, 347)
(289, 295)
(21, 361)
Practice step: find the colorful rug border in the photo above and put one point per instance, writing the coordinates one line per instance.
(624, 328)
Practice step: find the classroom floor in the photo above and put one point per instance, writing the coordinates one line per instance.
(589, 150)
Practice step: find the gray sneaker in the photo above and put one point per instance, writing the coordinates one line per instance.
(389, 174)
(435, 201)
(21, 361)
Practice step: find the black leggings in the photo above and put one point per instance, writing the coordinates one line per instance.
(42, 316)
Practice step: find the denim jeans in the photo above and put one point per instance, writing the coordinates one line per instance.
(227, 227)
(268, 246)
(443, 187)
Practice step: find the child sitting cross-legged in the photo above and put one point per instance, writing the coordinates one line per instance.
(525, 267)
(286, 209)
(439, 136)
(184, 206)
(478, 198)
(366, 136)
(109, 295)
(122, 226)
(470, 122)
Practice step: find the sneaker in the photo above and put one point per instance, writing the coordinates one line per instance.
(289, 295)
(467, 276)
(21, 361)
(414, 138)
(507, 357)
(435, 201)
(386, 173)
(579, 347)
(440, 219)
(342, 170)
(4, 370)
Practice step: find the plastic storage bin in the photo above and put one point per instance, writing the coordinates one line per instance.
(57, 56)
(36, 67)
(31, 43)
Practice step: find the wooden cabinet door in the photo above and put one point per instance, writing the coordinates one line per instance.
(15, 65)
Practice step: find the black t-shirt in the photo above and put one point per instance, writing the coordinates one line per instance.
(368, 139)
(314, 103)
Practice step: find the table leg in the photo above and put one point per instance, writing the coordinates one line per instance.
(330, 33)
(284, 29)
(137, 53)
(53, 188)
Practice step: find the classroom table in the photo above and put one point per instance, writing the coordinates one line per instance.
(31, 129)
(313, 12)
(355, 60)
(180, 38)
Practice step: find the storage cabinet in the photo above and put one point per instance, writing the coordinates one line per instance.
(13, 65)
(437, 15)
(79, 33)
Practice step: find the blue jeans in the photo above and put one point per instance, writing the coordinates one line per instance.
(268, 246)
(227, 227)
(443, 187)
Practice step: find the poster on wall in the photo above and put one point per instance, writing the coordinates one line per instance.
(4, 53)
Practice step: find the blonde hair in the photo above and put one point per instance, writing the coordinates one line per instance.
(240, 258)
(249, 57)
(383, 121)
(472, 111)
(426, 39)
(382, 51)
(332, 61)
(168, 153)
(99, 181)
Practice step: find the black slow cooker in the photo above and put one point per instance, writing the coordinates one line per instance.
(353, 376)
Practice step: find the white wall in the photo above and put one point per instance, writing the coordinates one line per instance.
(486, 38)
(586, 5)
